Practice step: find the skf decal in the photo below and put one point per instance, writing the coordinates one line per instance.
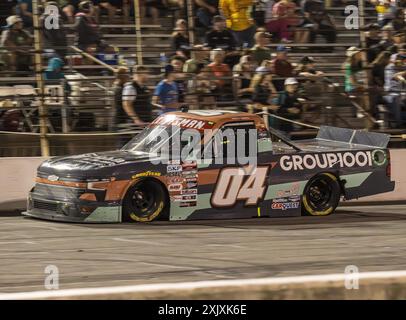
(325, 160)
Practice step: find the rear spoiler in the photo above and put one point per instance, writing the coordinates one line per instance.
(359, 137)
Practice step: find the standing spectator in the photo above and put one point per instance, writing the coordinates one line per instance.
(122, 77)
(166, 92)
(395, 83)
(290, 105)
(177, 62)
(237, 13)
(283, 18)
(88, 35)
(321, 22)
(260, 51)
(263, 89)
(180, 39)
(281, 67)
(220, 71)
(354, 70)
(24, 10)
(373, 41)
(16, 41)
(136, 106)
(55, 39)
(206, 10)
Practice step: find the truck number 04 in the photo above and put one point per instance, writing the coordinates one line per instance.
(232, 185)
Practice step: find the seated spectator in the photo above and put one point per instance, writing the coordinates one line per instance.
(386, 12)
(180, 39)
(220, 37)
(166, 93)
(152, 7)
(111, 6)
(238, 20)
(88, 37)
(395, 83)
(54, 70)
(259, 11)
(290, 105)
(6, 10)
(24, 10)
(54, 38)
(399, 21)
(206, 10)
(319, 20)
(198, 61)
(281, 67)
(307, 69)
(219, 70)
(204, 87)
(283, 18)
(243, 74)
(137, 106)
(260, 51)
(70, 8)
(263, 89)
(16, 41)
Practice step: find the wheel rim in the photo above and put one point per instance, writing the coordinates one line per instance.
(144, 200)
(319, 194)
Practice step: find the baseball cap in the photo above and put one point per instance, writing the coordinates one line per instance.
(291, 81)
(307, 59)
(262, 69)
(12, 20)
(282, 49)
(218, 18)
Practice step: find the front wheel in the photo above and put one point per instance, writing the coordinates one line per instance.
(145, 201)
(321, 195)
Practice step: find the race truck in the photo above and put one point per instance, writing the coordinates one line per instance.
(143, 181)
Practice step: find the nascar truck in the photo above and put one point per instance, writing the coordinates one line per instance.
(139, 184)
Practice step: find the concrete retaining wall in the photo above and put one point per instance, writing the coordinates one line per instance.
(370, 285)
(17, 178)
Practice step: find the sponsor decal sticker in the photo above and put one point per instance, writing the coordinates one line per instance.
(175, 187)
(147, 174)
(189, 192)
(174, 168)
(188, 204)
(325, 160)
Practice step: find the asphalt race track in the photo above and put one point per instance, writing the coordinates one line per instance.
(372, 238)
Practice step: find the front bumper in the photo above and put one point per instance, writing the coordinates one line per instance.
(79, 211)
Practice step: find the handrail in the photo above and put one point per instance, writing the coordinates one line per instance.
(94, 59)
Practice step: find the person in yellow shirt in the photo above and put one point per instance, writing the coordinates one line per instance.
(239, 20)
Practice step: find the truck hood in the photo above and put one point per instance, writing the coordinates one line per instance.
(92, 164)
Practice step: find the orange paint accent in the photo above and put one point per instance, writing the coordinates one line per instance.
(208, 176)
(62, 183)
(117, 189)
(88, 197)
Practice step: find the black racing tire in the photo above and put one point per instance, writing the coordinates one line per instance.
(145, 201)
(321, 195)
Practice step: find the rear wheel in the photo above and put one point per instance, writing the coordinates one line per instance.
(144, 202)
(321, 195)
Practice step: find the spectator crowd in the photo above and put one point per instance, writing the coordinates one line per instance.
(241, 53)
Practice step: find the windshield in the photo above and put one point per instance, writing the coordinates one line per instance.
(161, 139)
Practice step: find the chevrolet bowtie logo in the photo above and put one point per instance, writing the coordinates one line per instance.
(53, 178)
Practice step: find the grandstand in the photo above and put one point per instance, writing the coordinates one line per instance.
(89, 105)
